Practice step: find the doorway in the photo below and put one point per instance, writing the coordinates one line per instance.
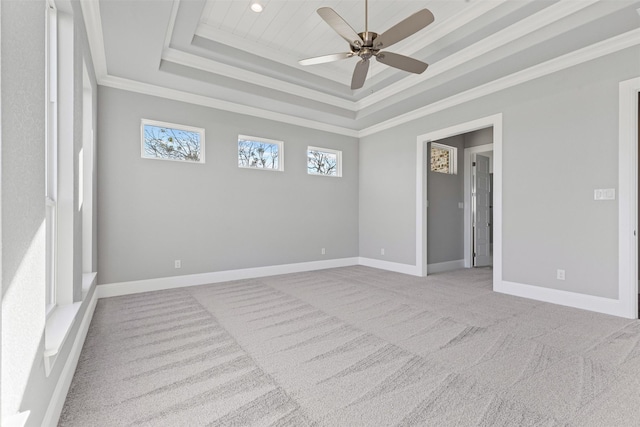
(494, 122)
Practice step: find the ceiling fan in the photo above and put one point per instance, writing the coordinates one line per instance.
(368, 44)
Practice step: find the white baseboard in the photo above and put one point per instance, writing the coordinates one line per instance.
(390, 266)
(570, 299)
(147, 285)
(441, 267)
(610, 306)
(54, 409)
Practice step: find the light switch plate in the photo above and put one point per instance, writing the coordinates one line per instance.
(610, 194)
(604, 194)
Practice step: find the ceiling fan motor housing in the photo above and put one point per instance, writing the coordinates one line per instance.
(368, 43)
(366, 50)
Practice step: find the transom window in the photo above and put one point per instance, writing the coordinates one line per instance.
(323, 161)
(443, 158)
(260, 153)
(168, 141)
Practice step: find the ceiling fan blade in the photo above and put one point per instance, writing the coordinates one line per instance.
(402, 62)
(340, 26)
(360, 74)
(404, 29)
(325, 58)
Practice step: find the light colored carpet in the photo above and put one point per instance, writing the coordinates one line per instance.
(353, 346)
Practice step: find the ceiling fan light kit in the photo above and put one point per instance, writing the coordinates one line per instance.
(368, 44)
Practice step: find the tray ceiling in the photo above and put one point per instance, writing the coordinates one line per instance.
(222, 54)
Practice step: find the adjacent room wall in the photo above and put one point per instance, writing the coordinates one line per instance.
(445, 226)
(559, 144)
(478, 137)
(24, 383)
(215, 216)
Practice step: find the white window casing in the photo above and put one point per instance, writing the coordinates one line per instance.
(324, 162)
(260, 153)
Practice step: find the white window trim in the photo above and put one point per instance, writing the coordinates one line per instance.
(338, 155)
(51, 147)
(280, 145)
(185, 128)
(59, 181)
(51, 218)
(86, 175)
(453, 157)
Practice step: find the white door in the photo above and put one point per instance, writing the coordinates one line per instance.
(481, 212)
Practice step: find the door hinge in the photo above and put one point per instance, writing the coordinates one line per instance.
(473, 164)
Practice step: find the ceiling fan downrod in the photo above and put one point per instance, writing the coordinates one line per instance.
(366, 20)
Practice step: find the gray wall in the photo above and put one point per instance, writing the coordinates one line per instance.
(478, 137)
(445, 220)
(559, 143)
(24, 383)
(215, 216)
(23, 130)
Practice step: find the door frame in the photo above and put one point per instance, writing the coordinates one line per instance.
(628, 198)
(468, 219)
(494, 121)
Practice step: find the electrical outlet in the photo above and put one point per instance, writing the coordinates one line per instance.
(322, 251)
(177, 263)
(560, 274)
(382, 251)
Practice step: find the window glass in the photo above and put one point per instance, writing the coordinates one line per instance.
(259, 153)
(323, 161)
(167, 141)
(443, 158)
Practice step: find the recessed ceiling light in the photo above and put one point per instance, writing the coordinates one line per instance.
(256, 7)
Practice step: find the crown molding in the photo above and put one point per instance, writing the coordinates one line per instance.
(515, 31)
(432, 35)
(208, 65)
(605, 47)
(91, 14)
(208, 32)
(93, 25)
(178, 95)
(172, 24)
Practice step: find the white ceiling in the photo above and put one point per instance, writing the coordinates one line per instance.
(220, 53)
(292, 30)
